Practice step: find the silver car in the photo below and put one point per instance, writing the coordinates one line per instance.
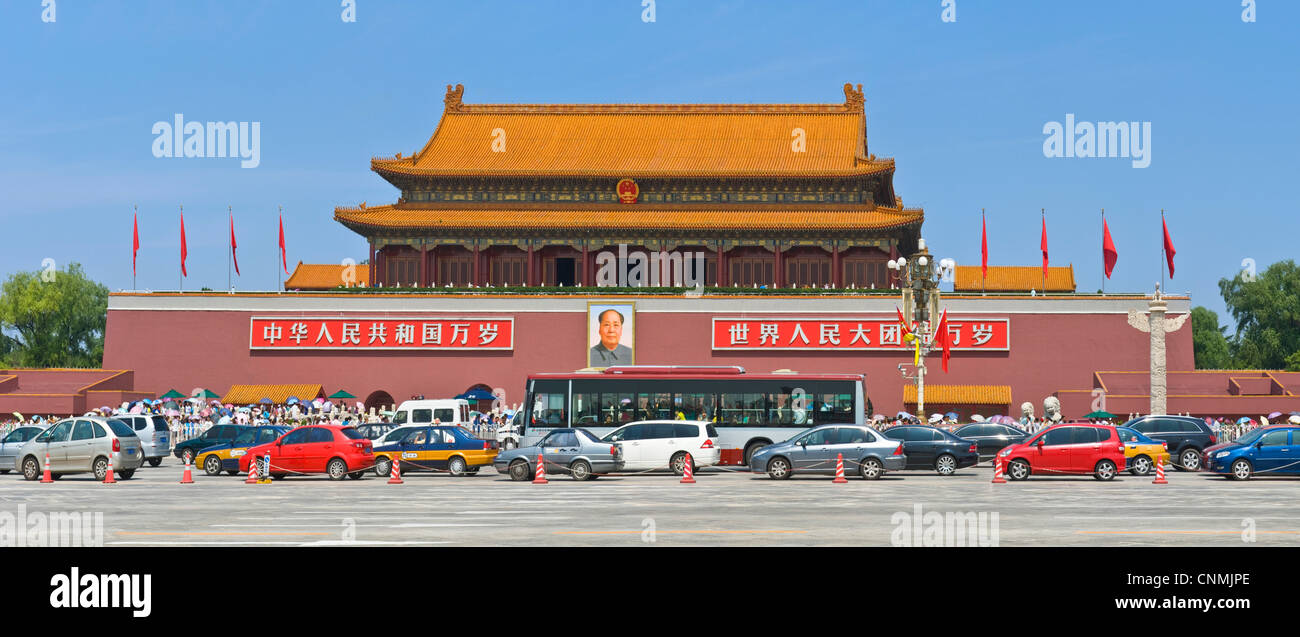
(154, 433)
(576, 452)
(866, 452)
(83, 444)
(13, 443)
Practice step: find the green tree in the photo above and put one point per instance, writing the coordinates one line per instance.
(57, 318)
(1209, 342)
(1267, 312)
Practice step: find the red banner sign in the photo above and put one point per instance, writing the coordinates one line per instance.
(291, 332)
(975, 334)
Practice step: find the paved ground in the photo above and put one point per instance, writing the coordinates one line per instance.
(723, 508)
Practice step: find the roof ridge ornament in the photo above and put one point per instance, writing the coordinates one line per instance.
(854, 99)
(452, 99)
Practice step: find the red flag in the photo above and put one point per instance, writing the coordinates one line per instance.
(283, 259)
(1108, 252)
(233, 255)
(1043, 245)
(184, 251)
(906, 328)
(984, 245)
(135, 239)
(1169, 246)
(941, 338)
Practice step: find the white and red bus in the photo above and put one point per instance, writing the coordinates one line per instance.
(748, 410)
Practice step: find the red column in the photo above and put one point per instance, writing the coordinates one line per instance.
(371, 269)
(587, 277)
(722, 266)
(424, 266)
(478, 262)
(379, 263)
(837, 275)
(529, 275)
(778, 277)
(433, 266)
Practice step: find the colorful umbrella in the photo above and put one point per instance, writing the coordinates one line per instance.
(1274, 415)
(173, 394)
(341, 394)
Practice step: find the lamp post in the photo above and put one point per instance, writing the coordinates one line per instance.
(919, 278)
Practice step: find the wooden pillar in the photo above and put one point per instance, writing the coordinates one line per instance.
(778, 276)
(530, 272)
(837, 274)
(424, 266)
(478, 262)
(433, 265)
(587, 277)
(379, 263)
(371, 267)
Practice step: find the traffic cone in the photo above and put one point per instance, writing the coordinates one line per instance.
(997, 471)
(108, 476)
(186, 478)
(46, 478)
(688, 476)
(252, 471)
(395, 474)
(839, 469)
(1160, 472)
(540, 476)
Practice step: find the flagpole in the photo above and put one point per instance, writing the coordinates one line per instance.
(134, 234)
(984, 239)
(1044, 211)
(231, 210)
(1162, 247)
(180, 279)
(280, 282)
(1103, 255)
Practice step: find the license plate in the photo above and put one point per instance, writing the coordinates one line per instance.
(130, 452)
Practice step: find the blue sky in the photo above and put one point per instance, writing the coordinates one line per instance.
(960, 105)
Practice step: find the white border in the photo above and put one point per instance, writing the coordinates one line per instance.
(714, 345)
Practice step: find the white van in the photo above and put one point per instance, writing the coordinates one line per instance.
(658, 444)
(447, 411)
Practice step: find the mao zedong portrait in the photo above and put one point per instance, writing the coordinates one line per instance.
(609, 351)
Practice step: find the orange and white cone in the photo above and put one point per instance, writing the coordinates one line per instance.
(252, 471)
(688, 476)
(997, 471)
(1160, 472)
(395, 473)
(187, 478)
(540, 476)
(46, 478)
(108, 475)
(839, 469)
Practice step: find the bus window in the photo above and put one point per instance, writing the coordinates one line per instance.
(832, 408)
(586, 409)
(548, 409)
(696, 407)
(659, 406)
(743, 410)
(783, 410)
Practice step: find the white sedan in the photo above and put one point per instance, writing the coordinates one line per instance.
(664, 444)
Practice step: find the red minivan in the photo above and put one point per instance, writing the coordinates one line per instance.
(330, 449)
(1066, 449)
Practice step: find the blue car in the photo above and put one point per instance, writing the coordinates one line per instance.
(1268, 451)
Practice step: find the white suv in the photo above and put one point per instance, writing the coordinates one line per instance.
(659, 444)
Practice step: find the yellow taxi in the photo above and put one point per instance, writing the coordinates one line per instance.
(1140, 452)
(451, 449)
(225, 456)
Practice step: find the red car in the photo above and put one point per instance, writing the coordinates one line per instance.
(330, 449)
(1066, 449)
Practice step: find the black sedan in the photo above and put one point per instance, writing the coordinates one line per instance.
(933, 448)
(990, 437)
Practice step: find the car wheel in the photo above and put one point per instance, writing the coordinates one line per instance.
(126, 473)
(456, 466)
(778, 468)
(153, 462)
(946, 464)
(31, 469)
(188, 456)
(1018, 470)
(212, 465)
(101, 468)
(580, 470)
(1141, 466)
(337, 469)
(472, 471)
(383, 467)
(1105, 470)
(1190, 459)
(356, 475)
(1241, 469)
(871, 469)
(519, 470)
(678, 463)
(751, 449)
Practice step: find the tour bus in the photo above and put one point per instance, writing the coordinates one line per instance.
(749, 410)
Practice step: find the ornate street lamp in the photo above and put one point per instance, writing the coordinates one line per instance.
(919, 279)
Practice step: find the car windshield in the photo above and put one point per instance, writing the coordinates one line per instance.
(121, 429)
(23, 435)
(588, 434)
(800, 434)
(1250, 438)
(353, 433)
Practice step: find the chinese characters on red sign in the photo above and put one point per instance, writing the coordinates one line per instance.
(975, 334)
(290, 332)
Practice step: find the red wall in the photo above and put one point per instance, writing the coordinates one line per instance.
(190, 349)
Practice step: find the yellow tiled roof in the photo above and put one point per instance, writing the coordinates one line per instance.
(324, 276)
(1013, 278)
(639, 140)
(251, 394)
(632, 217)
(960, 394)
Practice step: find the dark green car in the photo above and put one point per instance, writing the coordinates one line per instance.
(215, 435)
